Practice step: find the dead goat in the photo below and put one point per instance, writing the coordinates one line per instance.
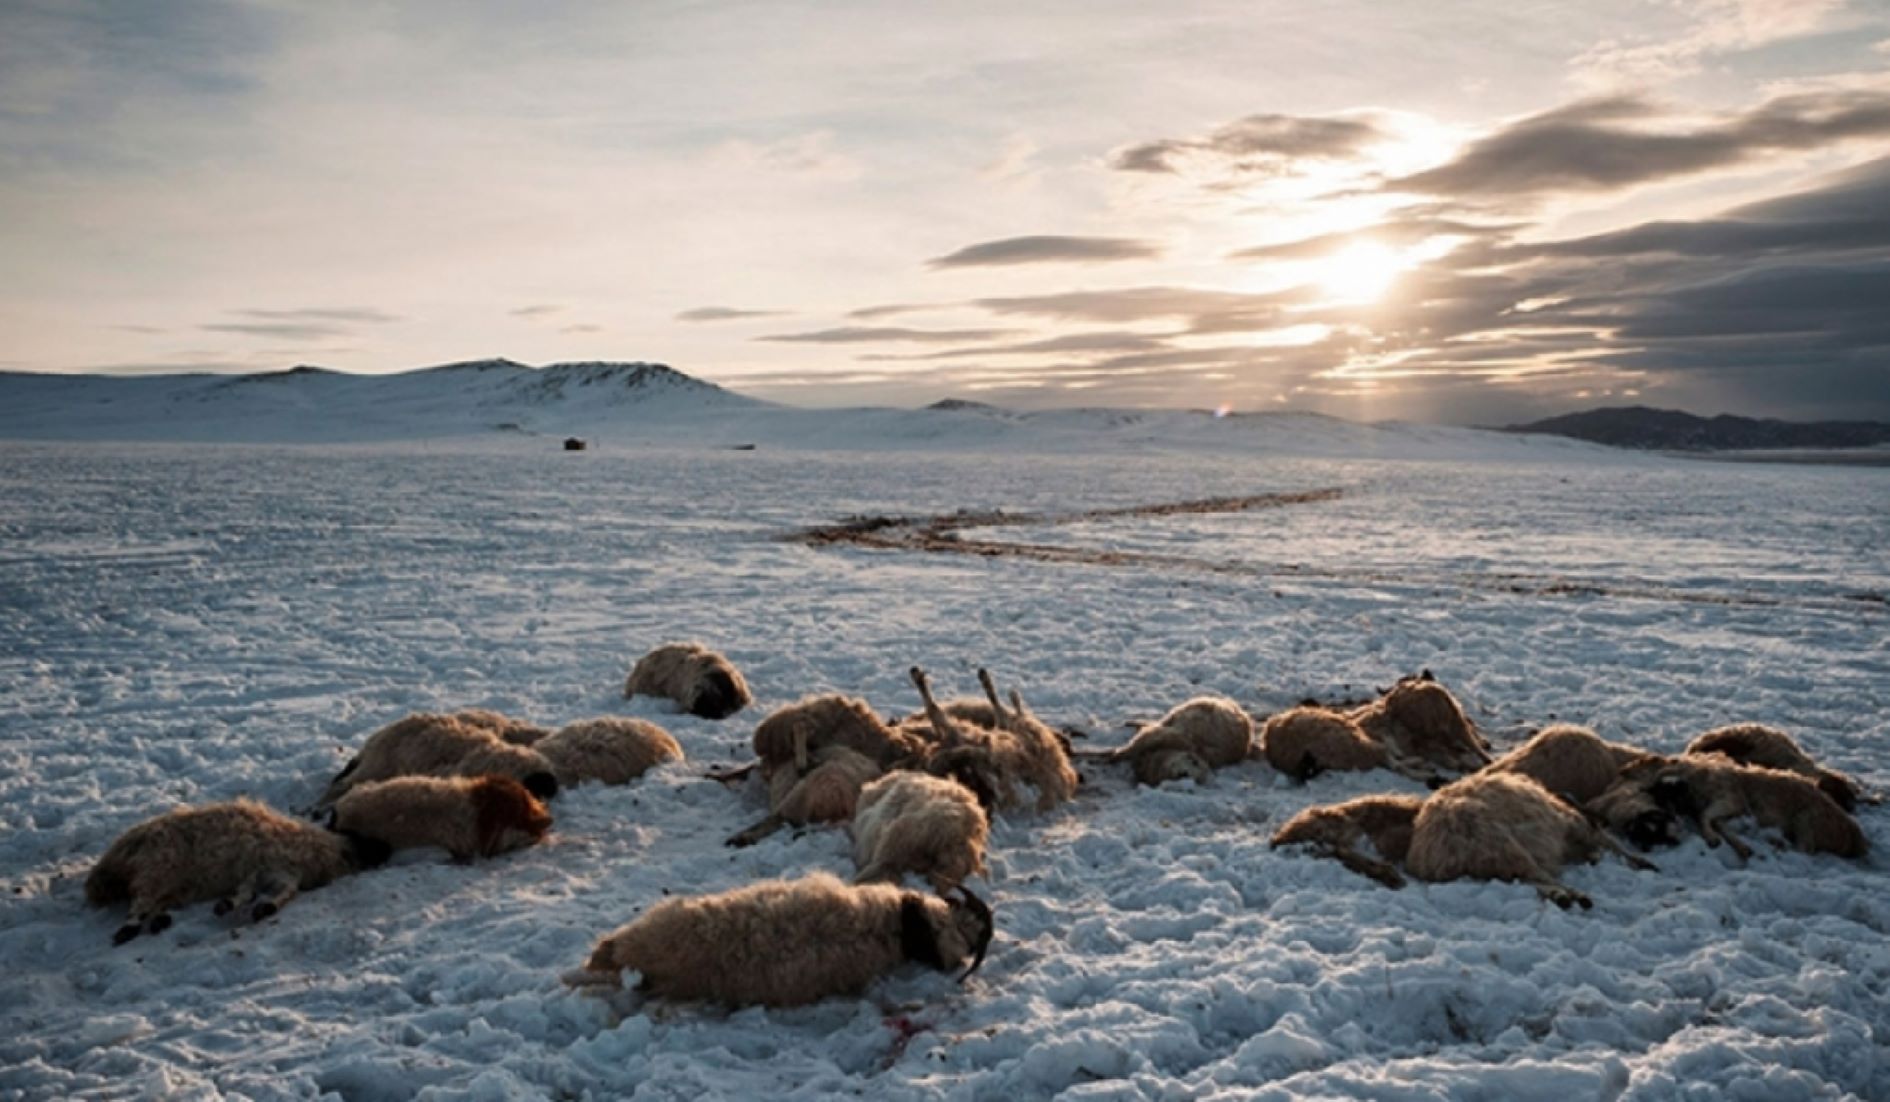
(241, 854)
(518, 732)
(1190, 742)
(1709, 790)
(1503, 826)
(1335, 831)
(1572, 762)
(466, 816)
(1757, 744)
(794, 732)
(1417, 720)
(427, 744)
(788, 942)
(827, 791)
(609, 749)
(917, 823)
(700, 681)
(994, 761)
(1306, 741)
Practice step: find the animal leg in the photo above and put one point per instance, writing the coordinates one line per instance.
(1558, 893)
(241, 897)
(1713, 829)
(1382, 871)
(991, 694)
(942, 725)
(1634, 861)
(732, 774)
(274, 889)
(757, 832)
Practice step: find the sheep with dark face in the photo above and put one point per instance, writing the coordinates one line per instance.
(426, 744)
(1306, 741)
(917, 823)
(994, 762)
(788, 942)
(827, 791)
(1190, 742)
(1335, 831)
(1504, 826)
(1572, 762)
(700, 681)
(609, 749)
(1709, 790)
(1757, 744)
(1418, 721)
(466, 816)
(241, 854)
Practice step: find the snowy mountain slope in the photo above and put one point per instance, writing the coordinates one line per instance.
(636, 403)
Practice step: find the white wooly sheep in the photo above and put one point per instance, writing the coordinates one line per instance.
(427, 744)
(994, 761)
(788, 942)
(240, 854)
(913, 822)
(700, 681)
(1572, 762)
(1709, 790)
(1335, 831)
(1503, 826)
(1418, 721)
(827, 791)
(1757, 744)
(1191, 741)
(518, 732)
(466, 816)
(609, 749)
(1306, 741)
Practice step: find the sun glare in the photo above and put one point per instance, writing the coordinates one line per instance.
(1358, 273)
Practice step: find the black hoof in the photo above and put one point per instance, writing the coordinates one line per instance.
(158, 923)
(264, 910)
(223, 907)
(125, 933)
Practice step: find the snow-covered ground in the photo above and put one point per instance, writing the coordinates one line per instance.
(193, 622)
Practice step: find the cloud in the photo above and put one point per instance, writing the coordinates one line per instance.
(582, 328)
(365, 314)
(1257, 143)
(891, 309)
(725, 313)
(1394, 232)
(1132, 304)
(1116, 342)
(861, 334)
(278, 330)
(1616, 142)
(1041, 249)
(305, 323)
(1718, 27)
(540, 311)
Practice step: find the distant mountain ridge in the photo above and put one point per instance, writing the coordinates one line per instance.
(1675, 430)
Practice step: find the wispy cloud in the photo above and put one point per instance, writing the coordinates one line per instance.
(362, 314)
(726, 313)
(1042, 249)
(1257, 143)
(543, 310)
(285, 331)
(861, 334)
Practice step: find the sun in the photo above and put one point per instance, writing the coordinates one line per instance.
(1358, 273)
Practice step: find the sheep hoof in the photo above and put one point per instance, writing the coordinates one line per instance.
(222, 907)
(263, 911)
(126, 932)
(159, 923)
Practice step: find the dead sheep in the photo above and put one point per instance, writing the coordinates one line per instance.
(995, 761)
(916, 823)
(609, 749)
(1306, 741)
(700, 681)
(1503, 826)
(1757, 744)
(1572, 762)
(827, 791)
(427, 744)
(466, 816)
(794, 732)
(1709, 790)
(241, 854)
(1419, 721)
(788, 942)
(518, 732)
(1191, 741)
(1335, 831)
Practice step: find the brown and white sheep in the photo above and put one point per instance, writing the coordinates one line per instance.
(427, 744)
(609, 749)
(1306, 741)
(794, 732)
(1709, 790)
(466, 816)
(1335, 831)
(1572, 762)
(994, 761)
(1191, 741)
(518, 732)
(827, 791)
(1504, 826)
(788, 942)
(917, 823)
(240, 854)
(1757, 744)
(1419, 721)
(700, 681)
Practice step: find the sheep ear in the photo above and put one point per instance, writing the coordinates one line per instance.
(986, 928)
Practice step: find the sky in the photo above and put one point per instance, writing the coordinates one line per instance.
(1463, 211)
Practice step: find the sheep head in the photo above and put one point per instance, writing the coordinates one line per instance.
(507, 815)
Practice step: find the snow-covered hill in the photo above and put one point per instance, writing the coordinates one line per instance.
(625, 403)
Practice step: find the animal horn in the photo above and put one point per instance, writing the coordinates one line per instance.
(982, 912)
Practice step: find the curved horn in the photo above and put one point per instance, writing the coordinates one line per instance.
(982, 912)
